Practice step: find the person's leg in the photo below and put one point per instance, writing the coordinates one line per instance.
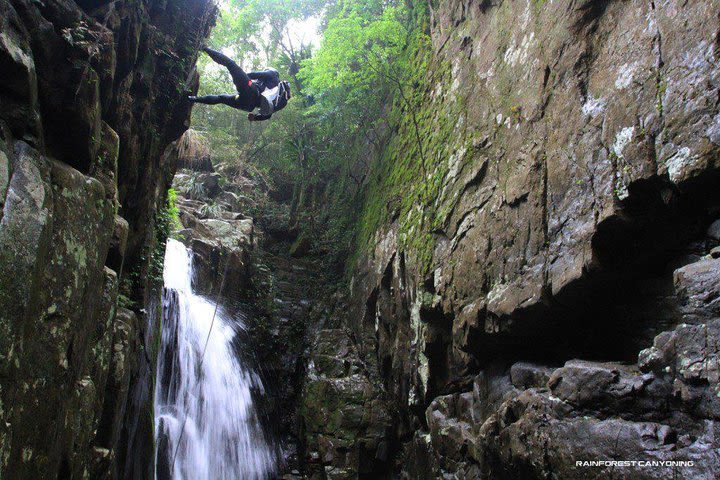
(229, 100)
(240, 78)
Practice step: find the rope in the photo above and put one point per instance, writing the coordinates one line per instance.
(202, 357)
(198, 40)
(199, 37)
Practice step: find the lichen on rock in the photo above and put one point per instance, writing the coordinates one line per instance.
(84, 119)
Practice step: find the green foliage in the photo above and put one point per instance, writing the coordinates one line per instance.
(258, 28)
(210, 210)
(400, 180)
(167, 221)
(332, 143)
(192, 187)
(361, 50)
(124, 301)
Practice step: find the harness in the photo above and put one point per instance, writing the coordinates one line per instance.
(283, 91)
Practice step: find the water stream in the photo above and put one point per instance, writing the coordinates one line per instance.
(212, 396)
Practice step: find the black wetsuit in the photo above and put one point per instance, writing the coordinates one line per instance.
(249, 87)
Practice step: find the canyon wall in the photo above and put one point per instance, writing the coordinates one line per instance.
(91, 93)
(536, 280)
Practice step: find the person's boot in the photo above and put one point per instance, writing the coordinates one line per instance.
(191, 98)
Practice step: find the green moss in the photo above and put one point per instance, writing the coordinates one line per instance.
(661, 86)
(167, 222)
(409, 181)
(538, 4)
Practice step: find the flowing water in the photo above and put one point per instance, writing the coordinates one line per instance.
(212, 396)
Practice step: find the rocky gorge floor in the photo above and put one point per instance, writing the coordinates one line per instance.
(542, 402)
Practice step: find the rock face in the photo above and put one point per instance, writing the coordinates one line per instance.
(222, 240)
(90, 95)
(562, 215)
(344, 415)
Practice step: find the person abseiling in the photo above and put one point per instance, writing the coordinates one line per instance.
(256, 90)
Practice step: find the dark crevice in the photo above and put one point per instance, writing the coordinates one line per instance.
(64, 472)
(590, 12)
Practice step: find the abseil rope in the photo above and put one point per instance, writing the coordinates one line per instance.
(202, 357)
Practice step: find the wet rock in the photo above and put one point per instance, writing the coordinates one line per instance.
(65, 222)
(228, 233)
(421, 460)
(25, 233)
(451, 427)
(105, 167)
(18, 66)
(345, 421)
(118, 244)
(688, 357)
(532, 229)
(4, 176)
(554, 197)
(222, 249)
(530, 438)
(490, 389)
(233, 207)
(528, 375)
(698, 287)
(224, 245)
(603, 387)
(210, 184)
(124, 349)
(713, 231)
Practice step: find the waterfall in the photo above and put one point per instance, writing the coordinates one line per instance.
(222, 437)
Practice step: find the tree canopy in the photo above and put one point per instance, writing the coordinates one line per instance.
(344, 87)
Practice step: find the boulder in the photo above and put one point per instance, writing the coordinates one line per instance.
(698, 288)
(531, 437)
(607, 388)
(525, 375)
(210, 183)
(713, 231)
